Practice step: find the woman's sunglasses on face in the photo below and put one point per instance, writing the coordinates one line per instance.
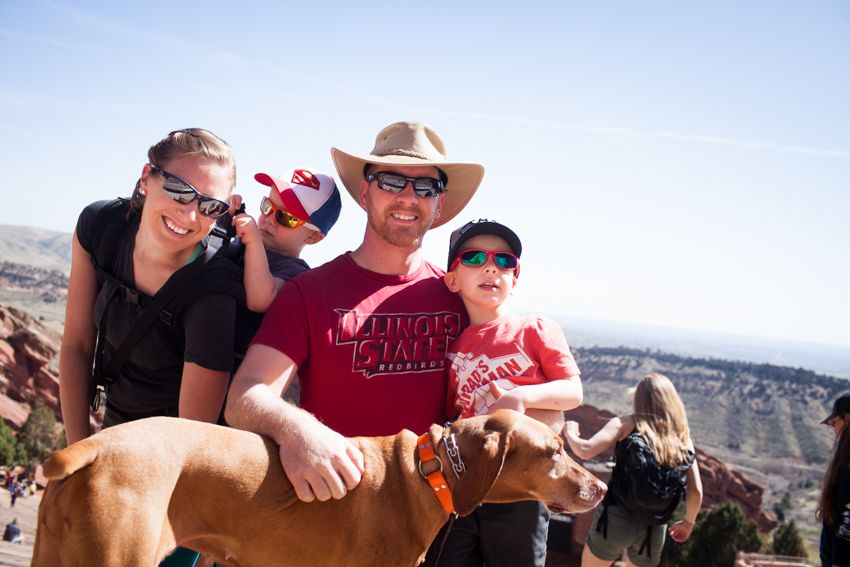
(477, 258)
(182, 191)
(282, 216)
(396, 182)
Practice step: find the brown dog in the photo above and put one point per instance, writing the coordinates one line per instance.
(130, 494)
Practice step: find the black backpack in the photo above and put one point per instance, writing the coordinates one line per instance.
(649, 492)
(219, 271)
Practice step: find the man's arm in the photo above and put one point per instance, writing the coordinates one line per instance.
(319, 462)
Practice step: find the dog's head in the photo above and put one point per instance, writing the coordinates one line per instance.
(511, 457)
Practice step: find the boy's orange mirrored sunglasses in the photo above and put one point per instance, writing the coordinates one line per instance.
(281, 216)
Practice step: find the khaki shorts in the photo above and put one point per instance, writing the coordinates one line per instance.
(625, 533)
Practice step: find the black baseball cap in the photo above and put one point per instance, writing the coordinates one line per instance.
(478, 227)
(840, 407)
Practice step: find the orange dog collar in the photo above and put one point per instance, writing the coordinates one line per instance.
(436, 479)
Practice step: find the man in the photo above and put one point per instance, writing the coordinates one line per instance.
(367, 332)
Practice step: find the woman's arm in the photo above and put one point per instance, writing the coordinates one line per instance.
(202, 392)
(614, 430)
(681, 530)
(209, 327)
(78, 343)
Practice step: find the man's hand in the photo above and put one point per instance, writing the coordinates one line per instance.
(320, 463)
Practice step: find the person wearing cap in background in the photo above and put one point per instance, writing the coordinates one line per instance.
(834, 505)
(367, 333)
(503, 360)
(300, 209)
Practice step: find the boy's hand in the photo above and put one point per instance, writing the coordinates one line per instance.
(571, 428)
(235, 201)
(507, 399)
(247, 229)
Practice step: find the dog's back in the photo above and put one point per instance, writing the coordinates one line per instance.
(128, 495)
(96, 481)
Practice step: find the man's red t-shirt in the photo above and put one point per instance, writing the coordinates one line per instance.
(370, 348)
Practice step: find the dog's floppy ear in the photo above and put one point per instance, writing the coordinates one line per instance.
(481, 470)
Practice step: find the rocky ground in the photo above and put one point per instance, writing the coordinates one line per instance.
(25, 510)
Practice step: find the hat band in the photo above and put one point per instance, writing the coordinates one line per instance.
(411, 154)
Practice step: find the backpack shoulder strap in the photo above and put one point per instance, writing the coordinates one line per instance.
(108, 225)
(178, 283)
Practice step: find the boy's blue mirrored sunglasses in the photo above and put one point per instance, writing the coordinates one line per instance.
(477, 258)
(182, 191)
(396, 182)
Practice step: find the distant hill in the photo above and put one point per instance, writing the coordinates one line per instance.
(36, 247)
(831, 360)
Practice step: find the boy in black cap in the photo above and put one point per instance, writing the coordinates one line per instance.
(502, 361)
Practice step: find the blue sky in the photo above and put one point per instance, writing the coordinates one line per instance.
(664, 162)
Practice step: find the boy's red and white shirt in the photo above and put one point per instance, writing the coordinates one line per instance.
(513, 350)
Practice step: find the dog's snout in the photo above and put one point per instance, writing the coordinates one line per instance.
(598, 489)
(592, 490)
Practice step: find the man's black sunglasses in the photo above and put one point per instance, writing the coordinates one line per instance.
(396, 182)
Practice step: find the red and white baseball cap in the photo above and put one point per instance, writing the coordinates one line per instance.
(308, 195)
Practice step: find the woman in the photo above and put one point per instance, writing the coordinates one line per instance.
(179, 367)
(182, 370)
(834, 506)
(659, 418)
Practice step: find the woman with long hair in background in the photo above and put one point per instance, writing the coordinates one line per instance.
(660, 420)
(834, 506)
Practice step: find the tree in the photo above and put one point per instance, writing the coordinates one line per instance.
(39, 435)
(718, 535)
(783, 506)
(787, 540)
(9, 450)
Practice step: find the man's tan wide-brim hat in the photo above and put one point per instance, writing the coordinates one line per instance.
(413, 143)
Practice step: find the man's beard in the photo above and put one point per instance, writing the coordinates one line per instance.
(401, 236)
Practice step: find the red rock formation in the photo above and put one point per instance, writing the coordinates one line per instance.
(720, 483)
(26, 349)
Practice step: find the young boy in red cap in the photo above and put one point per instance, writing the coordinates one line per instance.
(300, 209)
(502, 361)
